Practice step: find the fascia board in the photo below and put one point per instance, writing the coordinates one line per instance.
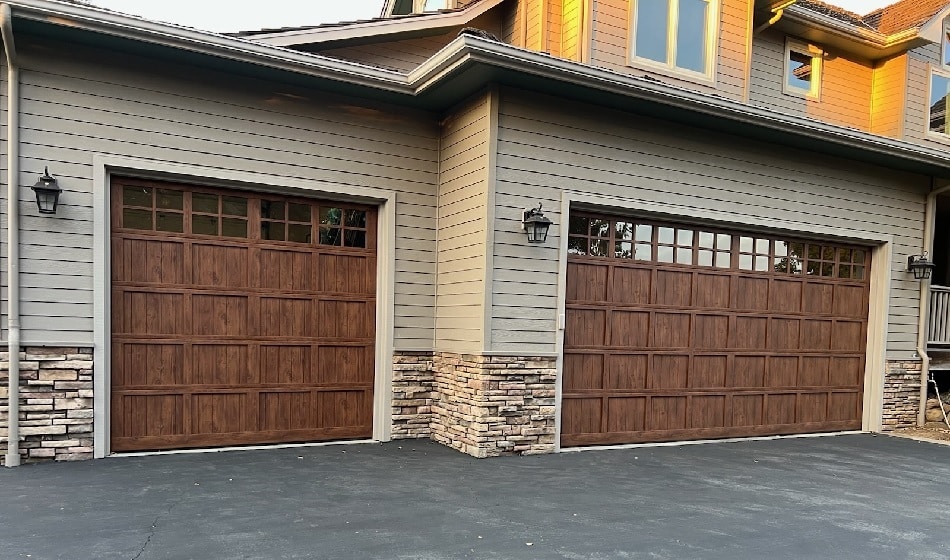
(376, 28)
(863, 36)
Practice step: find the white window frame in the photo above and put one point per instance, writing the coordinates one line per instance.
(817, 57)
(421, 4)
(942, 70)
(713, 23)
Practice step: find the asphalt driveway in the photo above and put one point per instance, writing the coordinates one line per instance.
(855, 496)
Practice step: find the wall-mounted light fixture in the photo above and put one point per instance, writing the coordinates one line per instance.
(47, 193)
(921, 266)
(535, 225)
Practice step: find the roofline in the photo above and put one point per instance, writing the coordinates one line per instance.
(423, 22)
(933, 29)
(864, 35)
(464, 51)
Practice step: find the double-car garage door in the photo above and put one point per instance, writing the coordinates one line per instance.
(676, 332)
(239, 318)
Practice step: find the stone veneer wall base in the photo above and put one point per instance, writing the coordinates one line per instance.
(901, 394)
(56, 409)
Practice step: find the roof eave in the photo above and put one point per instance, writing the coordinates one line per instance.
(865, 42)
(434, 21)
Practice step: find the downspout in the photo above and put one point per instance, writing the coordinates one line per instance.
(777, 13)
(13, 236)
(924, 304)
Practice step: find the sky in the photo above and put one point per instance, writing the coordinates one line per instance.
(242, 15)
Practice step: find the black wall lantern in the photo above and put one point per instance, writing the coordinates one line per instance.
(47, 193)
(921, 266)
(536, 225)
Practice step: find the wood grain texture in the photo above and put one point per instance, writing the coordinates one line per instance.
(676, 332)
(223, 339)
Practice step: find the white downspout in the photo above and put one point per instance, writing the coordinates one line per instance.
(924, 304)
(13, 236)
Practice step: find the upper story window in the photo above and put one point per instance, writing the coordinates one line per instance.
(433, 5)
(940, 87)
(802, 69)
(675, 35)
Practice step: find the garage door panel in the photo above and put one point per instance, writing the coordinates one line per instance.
(627, 371)
(220, 364)
(783, 371)
(286, 363)
(708, 372)
(712, 331)
(818, 299)
(712, 290)
(707, 411)
(674, 288)
(746, 372)
(219, 315)
(814, 371)
(588, 282)
(219, 413)
(223, 307)
(629, 328)
(750, 332)
(583, 372)
(149, 364)
(626, 414)
(587, 327)
(752, 293)
(709, 333)
(670, 371)
(785, 296)
(286, 270)
(631, 285)
(219, 266)
(286, 317)
(666, 413)
(850, 301)
(671, 330)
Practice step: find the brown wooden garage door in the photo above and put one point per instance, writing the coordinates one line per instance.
(239, 318)
(678, 332)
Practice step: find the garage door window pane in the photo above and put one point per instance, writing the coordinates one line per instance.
(644, 233)
(204, 225)
(202, 202)
(355, 238)
(234, 206)
(723, 260)
(598, 247)
(684, 256)
(623, 250)
(330, 236)
(664, 254)
(355, 219)
(666, 235)
(172, 200)
(299, 212)
(233, 227)
(137, 196)
(299, 233)
(644, 252)
(624, 230)
(577, 245)
(272, 209)
(169, 221)
(331, 216)
(707, 240)
(704, 258)
(137, 219)
(273, 231)
(579, 225)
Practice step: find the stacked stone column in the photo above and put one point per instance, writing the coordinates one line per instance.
(56, 405)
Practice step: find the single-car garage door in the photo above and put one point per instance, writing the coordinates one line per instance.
(239, 318)
(676, 332)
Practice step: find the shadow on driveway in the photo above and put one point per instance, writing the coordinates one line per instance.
(855, 496)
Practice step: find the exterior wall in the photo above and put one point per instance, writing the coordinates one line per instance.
(533, 23)
(632, 157)
(846, 85)
(462, 223)
(888, 97)
(610, 45)
(553, 27)
(55, 404)
(413, 395)
(572, 29)
(917, 110)
(76, 104)
(901, 394)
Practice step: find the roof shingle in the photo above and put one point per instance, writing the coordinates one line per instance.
(900, 16)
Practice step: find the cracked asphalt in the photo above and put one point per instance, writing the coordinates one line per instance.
(854, 496)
